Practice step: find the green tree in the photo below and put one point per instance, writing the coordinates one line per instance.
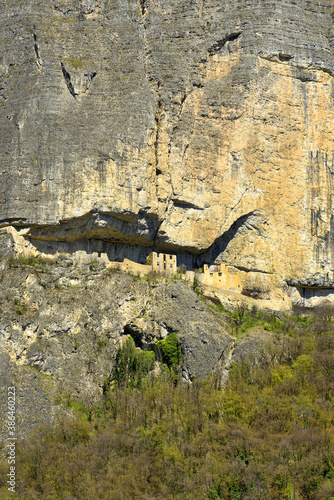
(132, 364)
(170, 350)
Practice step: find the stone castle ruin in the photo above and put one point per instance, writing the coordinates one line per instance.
(221, 276)
(163, 263)
(215, 278)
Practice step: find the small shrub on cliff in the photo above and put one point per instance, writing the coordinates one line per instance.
(182, 269)
(19, 310)
(170, 350)
(195, 286)
(149, 260)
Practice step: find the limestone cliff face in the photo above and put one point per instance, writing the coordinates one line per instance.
(203, 127)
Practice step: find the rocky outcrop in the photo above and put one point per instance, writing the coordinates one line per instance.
(202, 128)
(62, 323)
(261, 348)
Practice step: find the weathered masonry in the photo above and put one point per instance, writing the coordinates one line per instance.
(163, 263)
(220, 275)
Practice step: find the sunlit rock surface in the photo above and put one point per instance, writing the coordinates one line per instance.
(202, 128)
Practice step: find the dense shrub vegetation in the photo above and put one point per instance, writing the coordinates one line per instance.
(268, 435)
(131, 365)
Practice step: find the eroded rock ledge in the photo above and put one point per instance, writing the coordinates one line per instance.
(260, 289)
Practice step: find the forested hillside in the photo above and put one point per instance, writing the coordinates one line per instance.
(268, 435)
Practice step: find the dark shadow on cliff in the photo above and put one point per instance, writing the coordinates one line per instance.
(220, 244)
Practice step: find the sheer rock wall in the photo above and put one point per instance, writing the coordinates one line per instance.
(200, 127)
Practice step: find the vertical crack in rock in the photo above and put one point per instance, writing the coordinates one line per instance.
(143, 6)
(177, 121)
(155, 85)
(226, 366)
(182, 101)
(157, 135)
(3, 97)
(200, 7)
(184, 151)
(39, 61)
(320, 173)
(67, 78)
